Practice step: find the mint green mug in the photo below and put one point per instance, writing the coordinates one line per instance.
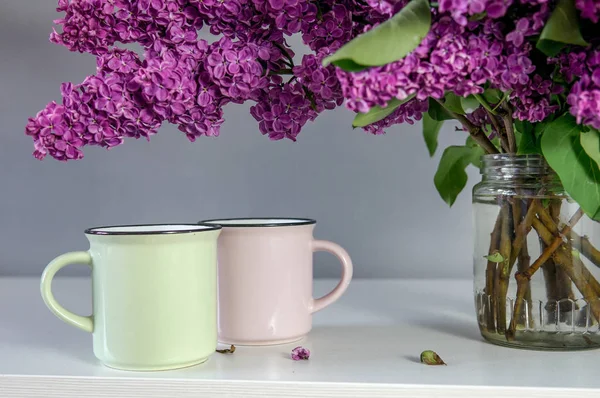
(154, 290)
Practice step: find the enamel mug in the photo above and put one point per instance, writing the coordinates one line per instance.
(265, 276)
(154, 293)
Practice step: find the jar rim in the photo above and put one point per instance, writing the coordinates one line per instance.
(500, 156)
(507, 164)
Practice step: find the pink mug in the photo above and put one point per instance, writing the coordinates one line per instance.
(265, 279)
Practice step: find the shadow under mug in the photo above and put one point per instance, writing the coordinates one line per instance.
(265, 279)
(154, 294)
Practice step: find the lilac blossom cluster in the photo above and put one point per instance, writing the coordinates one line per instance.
(464, 60)
(590, 9)
(583, 69)
(186, 81)
(472, 46)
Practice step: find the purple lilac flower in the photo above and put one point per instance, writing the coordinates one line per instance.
(201, 121)
(486, 54)
(584, 97)
(374, 11)
(406, 113)
(291, 15)
(93, 26)
(51, 134)
(167, 84)
(529, 26)
(590, 9)
(460, 59)
(576, 63)
(234, 18)
(101, 110)
(441, 63)
(472, 45)
(532, 101)
(205, 116)
(331, 31)
(235, 67)
(518, 68)
(479, 117)
(300, 353)
(584, 100)
(386, 7)
(462, 9)
(282, 111)
(517, 36)
(87, 26)
(321, 81)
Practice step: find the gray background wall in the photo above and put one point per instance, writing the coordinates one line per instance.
(373, 195)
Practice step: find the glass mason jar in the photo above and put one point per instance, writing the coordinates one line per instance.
(536, 261)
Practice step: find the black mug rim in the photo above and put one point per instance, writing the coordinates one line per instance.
(192, 228)
(281, 222)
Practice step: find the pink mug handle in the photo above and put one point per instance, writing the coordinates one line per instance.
(336, 293)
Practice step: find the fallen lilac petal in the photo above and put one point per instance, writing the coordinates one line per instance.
(300, 353)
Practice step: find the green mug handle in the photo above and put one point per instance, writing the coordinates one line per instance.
(82, 322)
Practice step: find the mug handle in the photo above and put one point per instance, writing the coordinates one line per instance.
(342, 255)
(82, 322)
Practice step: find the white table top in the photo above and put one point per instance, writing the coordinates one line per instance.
(365, 345)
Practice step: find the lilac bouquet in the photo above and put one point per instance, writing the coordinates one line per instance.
(517, 74)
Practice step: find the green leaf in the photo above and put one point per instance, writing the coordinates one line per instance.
(549, 47)
(562, 28)
(504, 98)
(492, 95)
(452, 102)
(378, 113)
(545, 203)
(578, 173)
(590, 141)
(349, 66)
(478, 16)
(475, 160)
(470, 142)
(495, 257)
(469, 104)
(556, 99)
(388, 42)
(437, 111)
(496, 140)
(523, 126)
(539, 129)
(528, 143)
(431, 129)
(451, 178)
